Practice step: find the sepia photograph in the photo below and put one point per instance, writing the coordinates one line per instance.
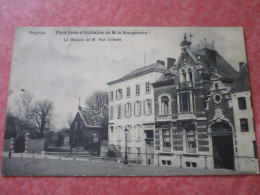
(129, 101)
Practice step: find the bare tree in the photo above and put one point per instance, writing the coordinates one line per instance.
(96, 104)
(69, 122)
(24, 107)
(42, 114)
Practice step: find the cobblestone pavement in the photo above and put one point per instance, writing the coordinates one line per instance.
(44, 167)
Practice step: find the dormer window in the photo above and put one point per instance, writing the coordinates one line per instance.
(186, 75)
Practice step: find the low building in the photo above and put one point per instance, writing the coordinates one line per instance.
(87, 132)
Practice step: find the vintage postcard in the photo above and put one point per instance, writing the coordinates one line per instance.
(129, 101)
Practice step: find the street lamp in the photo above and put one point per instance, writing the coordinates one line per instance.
(126, 133)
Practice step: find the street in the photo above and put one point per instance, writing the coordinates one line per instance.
(57, 167)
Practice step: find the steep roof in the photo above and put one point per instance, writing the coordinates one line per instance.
(156, 67)
(223, 67)
(89, 119)
(242, 82)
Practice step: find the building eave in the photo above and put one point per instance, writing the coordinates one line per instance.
(163, 83)
(133, 76)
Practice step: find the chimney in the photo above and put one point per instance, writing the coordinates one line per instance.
(80, 108)
(170, 62)
(161, 62)
(241, 65)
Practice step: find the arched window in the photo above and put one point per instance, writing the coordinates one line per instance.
(164, 105)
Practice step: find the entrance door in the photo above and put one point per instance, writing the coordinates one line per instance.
(223, 151)
(149, 151)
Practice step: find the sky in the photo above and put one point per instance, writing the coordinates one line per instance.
(49, 65)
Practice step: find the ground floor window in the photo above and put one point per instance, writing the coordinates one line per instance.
(190, 141)
(166, 140)
(244, 124)
(177, 140)
(255, 150)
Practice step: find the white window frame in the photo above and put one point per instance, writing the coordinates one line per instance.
(111, 113)
(160, 104)
(148, 110)
(128, 92)
(137, 89)
(147, 87)
(119, 96)
(191, 106)
(111, 96)
(164, 137)
(128, 109)
(189, 136)
(119, 111)
(137, 110)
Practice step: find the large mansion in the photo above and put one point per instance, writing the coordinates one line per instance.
(194, 112)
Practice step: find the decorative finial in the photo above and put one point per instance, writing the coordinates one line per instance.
(190, 36)
(185, 36)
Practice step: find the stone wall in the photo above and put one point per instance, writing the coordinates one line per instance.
(36, 145)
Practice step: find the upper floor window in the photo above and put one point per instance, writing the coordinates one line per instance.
(119, 94)
(128, 110)
(111, 96)
(111, 114)
(147, 87)
(137, 108)
(137, 89)
(112, 129)
(241, 103)
(166, 140)
(190, 141)
(255, 150)
(128, 92)
(185, 103)
(244, 124)
(186, 75)
(147, 107)
(119, 110)
(164, 105)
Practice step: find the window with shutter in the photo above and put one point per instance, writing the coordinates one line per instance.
(125, 110)
(134, 109)
(144, 107)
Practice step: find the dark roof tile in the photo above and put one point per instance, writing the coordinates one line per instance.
(242, 82)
